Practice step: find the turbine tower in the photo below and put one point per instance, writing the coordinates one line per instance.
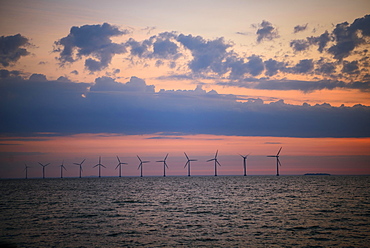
(99, 165)
(119, 165)
(141, 165)
(80, 164)
(43, 169)
(61, 169)
(277, 161)
(216, 162)
(188, 163)
(245, 163)
(26, 170)
(164, 165)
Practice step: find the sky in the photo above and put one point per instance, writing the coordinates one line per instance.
(83, 79)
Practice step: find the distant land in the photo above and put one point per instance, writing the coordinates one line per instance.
(317, 174)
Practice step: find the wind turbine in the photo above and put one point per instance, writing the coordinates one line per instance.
(61, 169)
(277, 161)
(188, 163)
(99, 165)
(26, 169)
(245, 163)
(216, 162)
(119, 165)
(43, 169)
(80, 164)
(141, 165)
(164, 165)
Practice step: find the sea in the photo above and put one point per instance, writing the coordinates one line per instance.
(199, 211)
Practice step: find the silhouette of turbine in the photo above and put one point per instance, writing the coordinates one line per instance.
(26, 169)
(188, 163)
(141, 165)
(119, 165)
(80, 164)
(216, 162)
(43, 169)
(277, 161)
(61, 169)
(99, 165)
(245, 163)
(164, 165)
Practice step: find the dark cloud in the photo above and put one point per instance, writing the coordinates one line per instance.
(266, 31)
(67, 108)
(300, 45)
(207, 54)
(349, 36)
(90, 41)
(321, 41)
(303, 66)
(350, 67)
(12, 48)
(273, 67)
(38, 77)
(74, 72)
(326, 68)
(300, 28)
(109, 84)
(6, 74)
(304, 86)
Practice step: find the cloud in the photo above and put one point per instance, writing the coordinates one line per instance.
(207, 54)
(300, 28)
(58, 107)
(299, 45)
(6, 74)
(12, 48)
(349, 36)
(266, 31)
(109, 84)
(321, 41)
(303, 66)
(92, 41)
(301, 85)
(273, 67)
(350, 67)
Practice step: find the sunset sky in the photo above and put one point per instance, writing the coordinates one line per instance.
(83, 79)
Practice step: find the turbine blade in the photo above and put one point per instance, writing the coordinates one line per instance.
(47, 164)
(138, 157)
(186, 155)
(119, 161)
(279, 161)
(210, 160)
(41, 164)
(218, 163)
(166, 157)
(83, 161)
(103, 166)
(95, 165)
(186, 163)
(117, 166)
(76, 163)
(140, 165)
(216, 154)
(279, 151)
(165, 164)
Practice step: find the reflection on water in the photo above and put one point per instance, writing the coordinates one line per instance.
(254, 211)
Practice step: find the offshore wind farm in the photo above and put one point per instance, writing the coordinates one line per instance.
(165, 166)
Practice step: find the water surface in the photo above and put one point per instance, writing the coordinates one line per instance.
(225, 211)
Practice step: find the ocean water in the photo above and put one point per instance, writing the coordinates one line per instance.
(224, 211)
